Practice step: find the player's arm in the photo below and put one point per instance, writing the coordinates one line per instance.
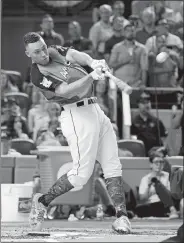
(53, 86)
(84, 59)
(81, 58)
(69, 90)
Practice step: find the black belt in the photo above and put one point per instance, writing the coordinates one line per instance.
(81, 103)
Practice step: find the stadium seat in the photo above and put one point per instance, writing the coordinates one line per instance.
(135, 146)
(23, 146)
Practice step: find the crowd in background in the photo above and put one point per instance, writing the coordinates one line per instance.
(131, 48)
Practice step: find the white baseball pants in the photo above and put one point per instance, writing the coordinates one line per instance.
(90, 137)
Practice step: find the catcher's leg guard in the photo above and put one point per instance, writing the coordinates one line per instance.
(61, 186)
(115, 189)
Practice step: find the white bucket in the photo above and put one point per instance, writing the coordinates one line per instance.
(15, 202)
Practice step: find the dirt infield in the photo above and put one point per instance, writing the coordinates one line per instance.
(145, 230)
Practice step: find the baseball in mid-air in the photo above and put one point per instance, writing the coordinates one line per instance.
(161, 57)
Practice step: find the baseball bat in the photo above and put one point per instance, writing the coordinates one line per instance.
(124, 87)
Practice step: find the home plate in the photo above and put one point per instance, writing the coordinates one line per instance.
(36, 233)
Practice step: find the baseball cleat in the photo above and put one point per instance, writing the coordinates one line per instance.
(122, 225)
(36, 216)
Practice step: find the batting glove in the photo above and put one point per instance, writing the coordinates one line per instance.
(99, 64)
(97, 74)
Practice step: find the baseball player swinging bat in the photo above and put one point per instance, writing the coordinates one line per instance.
(58, 74)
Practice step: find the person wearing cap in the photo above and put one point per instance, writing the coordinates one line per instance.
(129, 59)
(147, 127)
(154, 191)
(162, 28)
(101, 31)
(47, 32)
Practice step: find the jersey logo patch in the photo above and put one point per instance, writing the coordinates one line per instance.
(46, 83)
(64, 72)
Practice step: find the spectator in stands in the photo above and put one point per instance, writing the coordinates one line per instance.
(51, 136)
(79, 42)
(17, 127)
(163, 29)
(47, 32)
(176, 7)
(117, 25)
(177, 122)
(179, 53)
(14, 107)
(154, 191)
(5, 112)
(163, 74)
(129, 62)
(37, 114)
(53, 111)
(6, 85)
(178, 27)
(10, 109)
(118, 11)
(135, 21)
(101, 31)
(177, 188)
(129, 59)
(148, 27)
(138, 7)
(76, 40)
(161, 11)
(146, 127)
(95, 15)
(162, 152)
